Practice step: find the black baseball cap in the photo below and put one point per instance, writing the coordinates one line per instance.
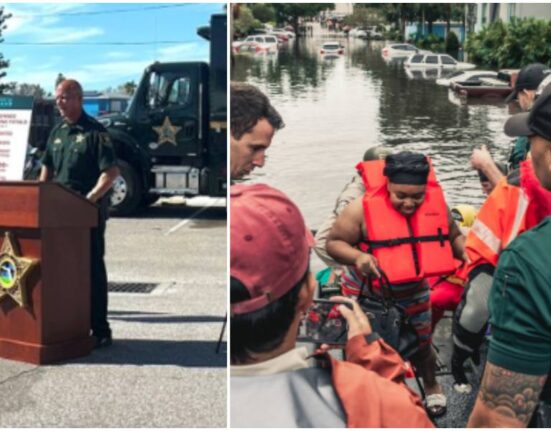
(535, 122)
(529, 78)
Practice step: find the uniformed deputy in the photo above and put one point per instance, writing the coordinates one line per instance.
(79, 154)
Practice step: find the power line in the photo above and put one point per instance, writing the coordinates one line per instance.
(103, 12)
(161, 42)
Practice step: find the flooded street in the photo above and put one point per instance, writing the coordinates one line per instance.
(335, 109)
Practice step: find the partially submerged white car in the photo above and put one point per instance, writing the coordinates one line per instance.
(332, 48)
(470, 76)
(266, 42)
(435, 61)
(401, 50)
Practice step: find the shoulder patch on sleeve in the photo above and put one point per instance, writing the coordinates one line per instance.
(105, 139)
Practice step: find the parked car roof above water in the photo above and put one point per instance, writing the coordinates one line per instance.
(467, 76)
(433, 60)
(289, 34)
(401, 50)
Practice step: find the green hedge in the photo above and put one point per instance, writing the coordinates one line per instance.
(512, 45)
(431, 42)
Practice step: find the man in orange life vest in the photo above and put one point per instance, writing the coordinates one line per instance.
(517, 204)
(403, 227)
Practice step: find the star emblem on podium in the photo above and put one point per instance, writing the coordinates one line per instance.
(167, 132)
(13, 271)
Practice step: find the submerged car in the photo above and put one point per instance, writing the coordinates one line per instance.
(435, 61)
(359, 32)
(289, 34)
(265, 42)
(467, 76)
(396, 50)
(251, 48)
(332, 48)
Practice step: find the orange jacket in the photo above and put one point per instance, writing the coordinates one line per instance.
(517, 203)
(371, 387)
(420, 243)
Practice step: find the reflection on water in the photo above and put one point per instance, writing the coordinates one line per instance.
(334, 109)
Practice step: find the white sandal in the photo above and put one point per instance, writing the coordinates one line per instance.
(463, 388)
(435, 404)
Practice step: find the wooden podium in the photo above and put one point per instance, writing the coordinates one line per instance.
(51, 224)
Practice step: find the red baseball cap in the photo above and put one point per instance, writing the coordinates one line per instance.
(269, 244)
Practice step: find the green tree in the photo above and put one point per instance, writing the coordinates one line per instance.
(398, 14)
(291, 13)
(24, 89)
(245, 22)
(512, 45)
(452, 44)
(4, 64)
(262, 11)
(430, 12)
(59, 79)
(364, 15)
(130, 87)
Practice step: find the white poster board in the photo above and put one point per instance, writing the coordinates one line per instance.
(15, 123)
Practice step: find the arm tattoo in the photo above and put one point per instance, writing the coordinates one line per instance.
(511, 394)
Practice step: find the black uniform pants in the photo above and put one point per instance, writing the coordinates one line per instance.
(99, 323)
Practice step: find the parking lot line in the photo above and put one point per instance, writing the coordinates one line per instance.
(186, 221)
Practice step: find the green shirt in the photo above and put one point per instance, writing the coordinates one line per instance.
(78, 153)
(520, 306)
(519, 152)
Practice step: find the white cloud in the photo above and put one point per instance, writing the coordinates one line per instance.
(92, 76)
(39, 23)
(45, 78)
(35, 14)
(68, 34)
(118, 54)
(117, 68)
(192, 51)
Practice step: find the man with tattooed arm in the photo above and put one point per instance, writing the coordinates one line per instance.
(515, 390)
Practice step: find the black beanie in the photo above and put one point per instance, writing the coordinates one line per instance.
(407, 168)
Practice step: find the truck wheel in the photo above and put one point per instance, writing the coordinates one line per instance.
(127, 191)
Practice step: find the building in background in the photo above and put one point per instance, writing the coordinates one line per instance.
(487, 13)
(439, 28)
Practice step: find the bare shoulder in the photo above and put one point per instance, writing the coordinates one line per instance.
(348, 223)
(354, 211)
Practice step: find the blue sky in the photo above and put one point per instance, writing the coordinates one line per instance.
(100, 66)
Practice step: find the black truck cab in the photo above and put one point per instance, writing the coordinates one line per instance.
(172, 138)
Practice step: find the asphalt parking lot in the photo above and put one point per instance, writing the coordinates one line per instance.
(162, 370)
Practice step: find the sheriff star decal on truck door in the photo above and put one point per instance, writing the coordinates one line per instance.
(167, 132)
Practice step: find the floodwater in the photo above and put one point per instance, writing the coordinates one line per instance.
(335, 109)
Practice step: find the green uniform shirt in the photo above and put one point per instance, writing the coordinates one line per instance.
(519, 152)
(520, 306)
(78, 153)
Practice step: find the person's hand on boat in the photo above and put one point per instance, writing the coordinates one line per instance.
(480, 158)
(367, 264)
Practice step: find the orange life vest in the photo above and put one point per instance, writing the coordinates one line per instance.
(407, 248)
(517, 204)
